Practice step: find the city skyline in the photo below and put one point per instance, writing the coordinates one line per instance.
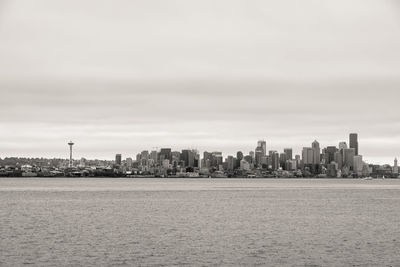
(352, 142)
(315, 160)
(296, 150)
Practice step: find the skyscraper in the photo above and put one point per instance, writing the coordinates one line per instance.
(190, 158)
(289, 153)
(330, 154)
(258, 155)
(207, 159)
(153, 155)
(342, 145)
(354, 142)
(358, 165)
(275, 161)
(348, 157)
(339, 159)
(165, 153)
(231, 163)
(263, 145)
(129, 163)
(282, 160)
(308, 155)
(316, 152)
(239, 157)
(118, 159)
(395, 167)
(252, 154)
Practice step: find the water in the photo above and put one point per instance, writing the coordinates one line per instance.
(156, 222)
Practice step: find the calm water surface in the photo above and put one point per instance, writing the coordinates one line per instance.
(157, 222)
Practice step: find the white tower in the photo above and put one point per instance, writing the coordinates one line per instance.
(70, 153)
(395, 167)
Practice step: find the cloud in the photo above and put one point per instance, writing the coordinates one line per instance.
(123, 76)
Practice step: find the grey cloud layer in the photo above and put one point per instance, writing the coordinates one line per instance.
(120, 76)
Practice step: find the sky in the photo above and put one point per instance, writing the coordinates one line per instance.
(125, 76)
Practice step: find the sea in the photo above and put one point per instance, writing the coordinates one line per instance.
(199, 222)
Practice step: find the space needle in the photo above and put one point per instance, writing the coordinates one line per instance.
(70, 153)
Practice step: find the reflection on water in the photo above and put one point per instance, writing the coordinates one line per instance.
(199, 222)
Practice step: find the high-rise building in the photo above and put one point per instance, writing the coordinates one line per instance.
(289, 153)
(249, 159)
(348, 157)
(165, 153)
(176, 156)
(354, 142)
(187, 157)
(263, 145)
(145, 154)
(217, 159)
(395, 167)
(165, 164)
(207, 156)
(291, 165)
(153, 155)
(244, 165)
(118, 159)
(316, 152)
(330, 154)
(275, 161)
(342, 145)
(339, 159)
(231, 163)
(308, 155)
(252, 154)
(239, 157)
(358, 165)
(129, 163)
(282, 160)
(259, 153)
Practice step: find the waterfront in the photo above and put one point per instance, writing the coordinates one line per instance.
(106, 221)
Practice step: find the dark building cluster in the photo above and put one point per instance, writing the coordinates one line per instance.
(342, 161)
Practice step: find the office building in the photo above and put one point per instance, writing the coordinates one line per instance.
(129, 163)
(339, 159)
(316, 152)
(342, 145)
(330, 154)
(358, 165)
(153, 155)
(308, 155)
(118, 159)
(231, 163)
(275, 161)
(348, 157)
(244, 165)
(165, 153)
(354, 142)
(289, 153)
(259, 153)
(190, 158)
(263, 145)
(291, 165)
(282, 160)
(239, 157)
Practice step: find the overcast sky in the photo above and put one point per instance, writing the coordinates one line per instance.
(124, 76)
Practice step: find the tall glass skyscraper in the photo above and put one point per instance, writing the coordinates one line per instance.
(354, 142)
